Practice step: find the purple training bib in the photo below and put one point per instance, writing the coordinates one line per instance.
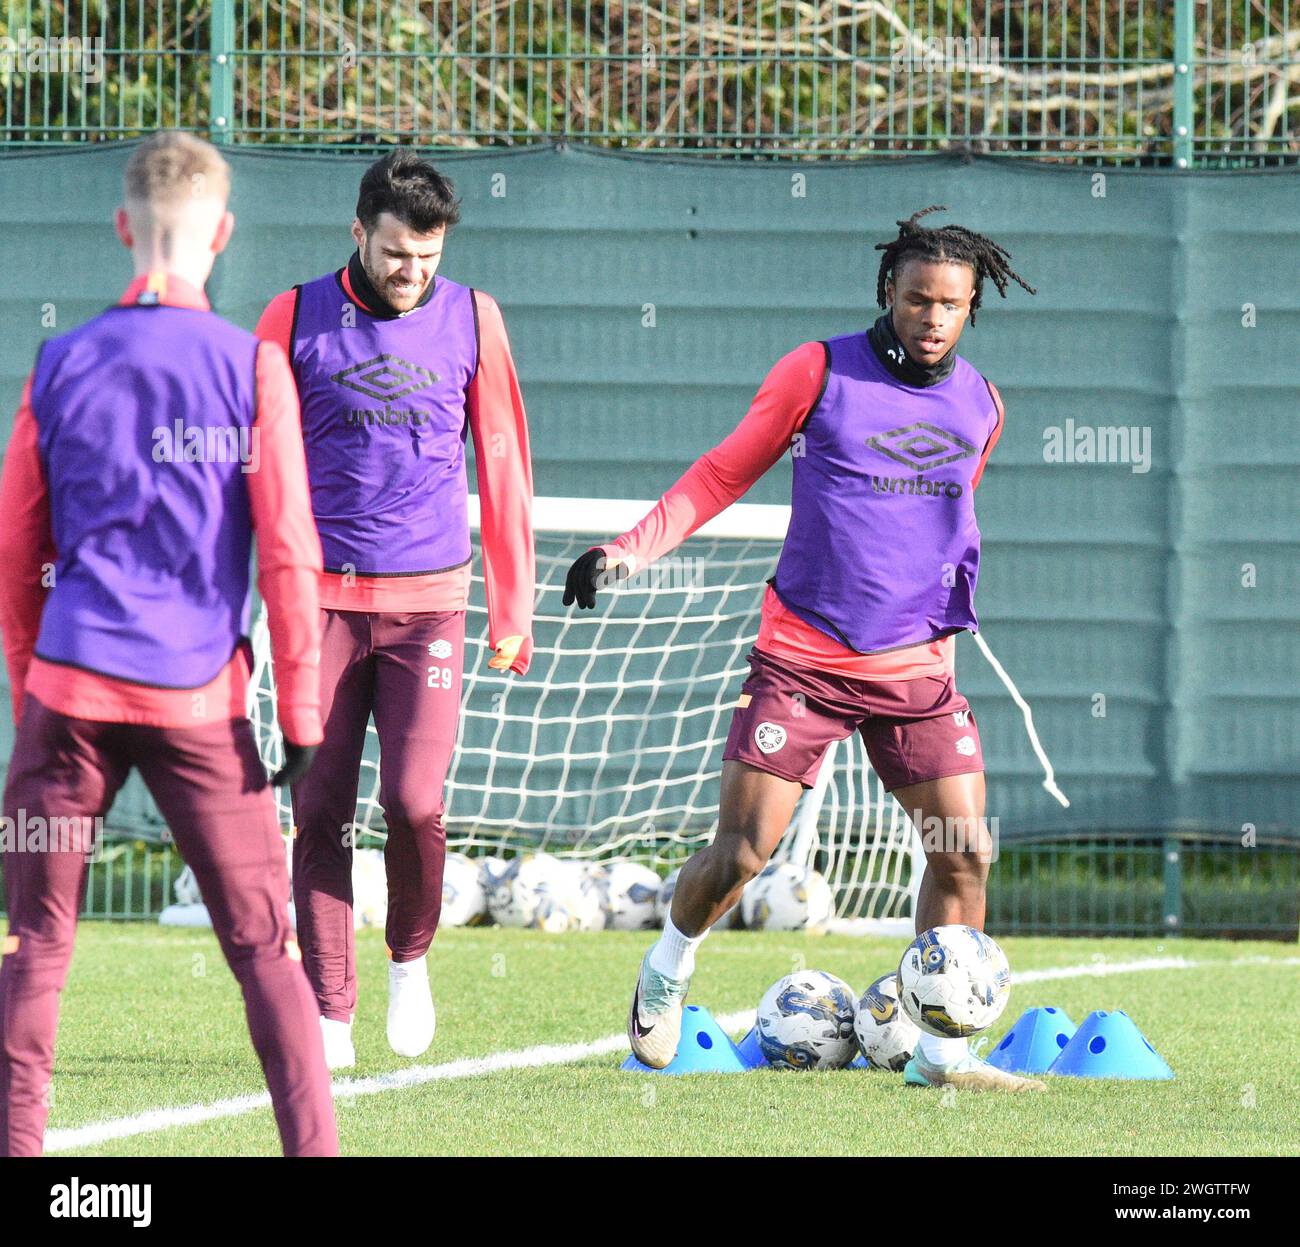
(883, 549)
(384, 424)
(145, 422)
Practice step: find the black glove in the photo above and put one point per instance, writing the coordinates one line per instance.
(586, 576)
(297, 762)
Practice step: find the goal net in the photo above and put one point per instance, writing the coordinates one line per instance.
(611, 746)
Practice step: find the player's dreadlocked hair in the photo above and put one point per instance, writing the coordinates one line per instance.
(952, 243)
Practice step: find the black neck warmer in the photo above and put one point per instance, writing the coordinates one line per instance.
(890, 351)
(371, 299)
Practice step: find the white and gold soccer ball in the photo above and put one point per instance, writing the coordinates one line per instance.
(786, 897)
(664, 899)
(546, 893)
(805, 1021)
(185, 888)
(464, 899)
(887, 1037)
(953, 981)
(631, 894)
(521, 890)
(369, 888)
(490, 869)
(592, 914)
(572, 899)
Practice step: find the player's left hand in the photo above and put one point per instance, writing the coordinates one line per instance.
(592, 571)
(297, 762)
(507, 650)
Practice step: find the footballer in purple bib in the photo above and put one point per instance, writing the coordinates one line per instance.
(396, 366)
(152, 445)
(889, 430)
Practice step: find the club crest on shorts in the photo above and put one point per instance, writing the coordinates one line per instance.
(769, 737)
(440, 649)
(966, 747)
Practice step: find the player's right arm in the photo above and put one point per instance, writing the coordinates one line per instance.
(276, 323)
(288, 559)
(26, 547)
(718, 478)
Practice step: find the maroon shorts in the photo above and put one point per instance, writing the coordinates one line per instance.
(914, 730)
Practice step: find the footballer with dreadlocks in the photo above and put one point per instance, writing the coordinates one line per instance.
(889, 431)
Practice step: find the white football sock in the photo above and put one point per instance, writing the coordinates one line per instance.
(674, 953)
(337, 1039)
(417, 969)
(938, 1051)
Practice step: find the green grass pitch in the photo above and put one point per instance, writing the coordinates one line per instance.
(152, 1018)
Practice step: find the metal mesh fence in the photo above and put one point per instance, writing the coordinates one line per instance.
(1137, 885)
(1187, 83)
(1109, 885)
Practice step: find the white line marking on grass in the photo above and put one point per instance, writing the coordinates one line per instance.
(1099, 968)
(1102, 968)
(96, 1133)
(155, 1119)
(352, 1088)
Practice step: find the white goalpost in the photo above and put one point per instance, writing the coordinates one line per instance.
(611, 746)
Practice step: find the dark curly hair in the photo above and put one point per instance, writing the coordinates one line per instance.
(947, 243)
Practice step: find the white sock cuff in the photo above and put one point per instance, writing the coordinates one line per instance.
(939, 1051)
(674, 953)
(674, 936)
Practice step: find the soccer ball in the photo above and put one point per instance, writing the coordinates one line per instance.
(664, 905)
(539, 890)
(805, 1021)
(631, 893)
(369, 888)
(953, 981)
(490, 869)
(490, 872)
(464, 900)
(572, 900)
(189, 909)
(664, 901)
(887, 1037)
(186, 888)
(786, 897)
(592, 915)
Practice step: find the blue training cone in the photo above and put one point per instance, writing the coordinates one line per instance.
(1109, 1045)
(750, 1051)
(704, 1048)
(1034, 1042)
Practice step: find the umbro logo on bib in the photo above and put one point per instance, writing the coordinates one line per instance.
(922, 445)
(385, 377)
(769, 737)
